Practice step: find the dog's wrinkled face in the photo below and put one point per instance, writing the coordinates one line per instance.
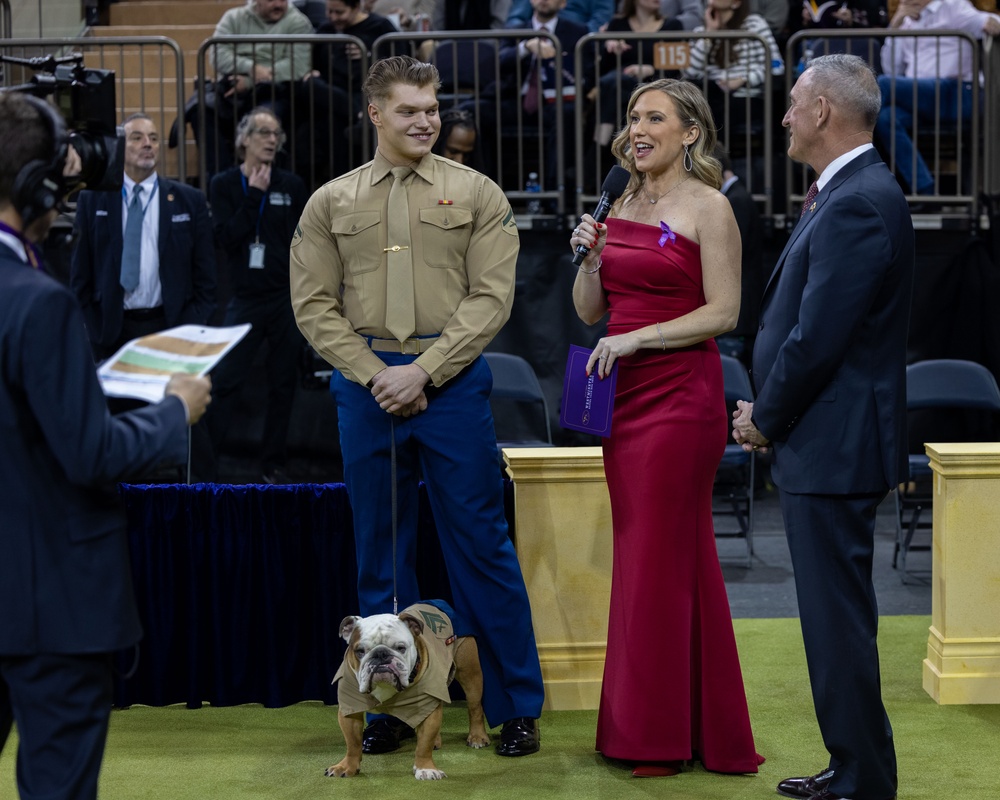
(382, 651)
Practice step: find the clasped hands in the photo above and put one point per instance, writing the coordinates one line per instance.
(744, 431)
(399, 390)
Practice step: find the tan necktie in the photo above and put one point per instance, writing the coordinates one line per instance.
(399, 316)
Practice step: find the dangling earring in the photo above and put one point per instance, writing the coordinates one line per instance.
(688, 162)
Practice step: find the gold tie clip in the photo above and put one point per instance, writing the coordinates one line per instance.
(395, 248)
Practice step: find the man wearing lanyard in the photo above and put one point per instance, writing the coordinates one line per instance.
(144, 259)
(255, 208)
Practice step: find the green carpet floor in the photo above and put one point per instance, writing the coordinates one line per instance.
(247, 752)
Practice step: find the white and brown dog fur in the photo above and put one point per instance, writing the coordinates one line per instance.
(388, 654)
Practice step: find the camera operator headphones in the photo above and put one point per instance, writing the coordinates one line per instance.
(40, 185)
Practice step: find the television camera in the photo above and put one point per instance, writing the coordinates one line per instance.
(85, 99)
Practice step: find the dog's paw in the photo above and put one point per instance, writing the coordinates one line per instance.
(478, 740)
(428, 774)
(342, 770)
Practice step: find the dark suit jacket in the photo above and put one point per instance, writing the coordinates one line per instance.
(187, 259)
(829, 361)
(65, 579)
(568, 33)
(751, 267)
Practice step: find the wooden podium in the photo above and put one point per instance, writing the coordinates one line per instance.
(963, 649)
(563, 537)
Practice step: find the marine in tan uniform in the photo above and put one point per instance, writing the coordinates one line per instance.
(403, 312)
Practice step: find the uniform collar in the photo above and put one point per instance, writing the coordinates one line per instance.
(382, 167)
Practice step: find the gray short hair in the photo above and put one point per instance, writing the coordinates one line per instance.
(849, 81)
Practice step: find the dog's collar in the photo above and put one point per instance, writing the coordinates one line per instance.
(415, 670)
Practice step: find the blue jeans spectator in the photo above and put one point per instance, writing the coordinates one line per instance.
(938, 102)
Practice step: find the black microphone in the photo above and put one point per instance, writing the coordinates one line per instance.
(612, 188)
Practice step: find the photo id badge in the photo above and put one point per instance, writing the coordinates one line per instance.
(256, 256)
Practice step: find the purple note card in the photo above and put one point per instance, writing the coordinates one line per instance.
(587, 402)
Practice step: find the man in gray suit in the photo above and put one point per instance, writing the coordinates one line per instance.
(829, 370)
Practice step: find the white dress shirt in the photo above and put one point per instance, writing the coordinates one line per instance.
(934, 56)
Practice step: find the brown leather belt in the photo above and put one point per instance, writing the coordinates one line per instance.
(409, 347)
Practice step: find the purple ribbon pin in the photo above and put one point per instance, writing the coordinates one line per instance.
(667, 235)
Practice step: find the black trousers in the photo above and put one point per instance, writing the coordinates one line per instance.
(831, 541)
(61, 705)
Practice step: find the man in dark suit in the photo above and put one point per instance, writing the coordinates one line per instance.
(829, 371)
(739, 341)
(173, 282)
(65, 586)
(529, 68)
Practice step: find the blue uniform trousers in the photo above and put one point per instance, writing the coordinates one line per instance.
(452, 447)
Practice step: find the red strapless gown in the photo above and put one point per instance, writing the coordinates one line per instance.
(672, 687)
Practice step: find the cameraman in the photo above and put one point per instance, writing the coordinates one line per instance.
(65, 581)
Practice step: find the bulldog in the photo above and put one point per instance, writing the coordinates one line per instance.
(402, 665)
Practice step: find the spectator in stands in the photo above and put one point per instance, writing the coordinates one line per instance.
(627, 63)
(407, 15)
(595, 14)
(849, 14)
(689, 12)
(469, 15)
(937, 69)
(528, 69)
(256, 207)
(315, 10)
(144, 258)
(732, 73)
(340, 65)
(775, 12)
(459, 138)
(249, 73)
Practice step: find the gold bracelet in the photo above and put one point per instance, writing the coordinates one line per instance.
(663, 344)
(600, 264)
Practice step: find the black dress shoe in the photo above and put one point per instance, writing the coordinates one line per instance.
(518, 737)
(384, 735)
(805, 787)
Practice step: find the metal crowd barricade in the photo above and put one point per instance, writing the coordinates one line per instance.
(991, 118)
(953, 151)
(6, 25)
(750, 146)
(469, 62)
(322, 124)
(149, 77)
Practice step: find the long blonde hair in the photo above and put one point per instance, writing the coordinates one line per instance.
(693, 110)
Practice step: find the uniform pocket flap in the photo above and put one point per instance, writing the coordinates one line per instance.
(352, 224)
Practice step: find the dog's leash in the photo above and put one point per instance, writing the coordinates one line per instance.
(395, 513)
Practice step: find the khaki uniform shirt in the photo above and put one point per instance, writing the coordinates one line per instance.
(464, 248)
(415, 703)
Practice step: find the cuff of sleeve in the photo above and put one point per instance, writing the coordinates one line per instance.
(184, 405)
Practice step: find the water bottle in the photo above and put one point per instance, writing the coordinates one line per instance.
(532, 185)
(807, 56)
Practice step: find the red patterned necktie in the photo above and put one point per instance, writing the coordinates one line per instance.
(810, 196)
(531, 91)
